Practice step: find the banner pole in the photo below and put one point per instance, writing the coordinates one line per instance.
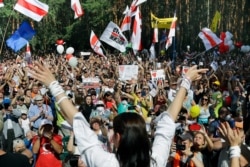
(5, 31)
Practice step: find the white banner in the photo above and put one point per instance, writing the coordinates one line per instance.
(113, 36)
(91, 82)
(128, 72)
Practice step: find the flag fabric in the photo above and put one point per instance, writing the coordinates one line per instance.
(134, 5)
(136, 34)
(215, 21)
(155, 36)
(32, 8)
(209, 38)
(76, 6)
(152, 51)
(95, 44)
(139, 2)
(113, 36)
(1, 3)
(21, 36)
(171, 33)
(160, 22)
(126, 23)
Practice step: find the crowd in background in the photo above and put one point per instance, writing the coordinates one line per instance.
(30, 112)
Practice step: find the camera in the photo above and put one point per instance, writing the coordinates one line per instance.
(180, 147)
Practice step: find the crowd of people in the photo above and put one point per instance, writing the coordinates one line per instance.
(54, 114)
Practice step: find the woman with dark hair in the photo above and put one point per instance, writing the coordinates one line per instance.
(131, 127)
(130, 136)
(204, 110)
(87, 107)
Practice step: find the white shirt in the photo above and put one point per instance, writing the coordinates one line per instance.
(94, 155)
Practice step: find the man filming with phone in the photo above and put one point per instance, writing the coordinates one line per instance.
(182, 154)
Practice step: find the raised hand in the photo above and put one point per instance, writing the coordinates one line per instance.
(195, 74)
(230, 135)
(42, 74)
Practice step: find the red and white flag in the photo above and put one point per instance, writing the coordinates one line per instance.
(136, 35)
(95, 44)
(134, 5)
(209, 38)
(114, 37)
(171, 33)
(76, 6)
(155, 36)
(126, 23)
(1, 3)
(32, 8)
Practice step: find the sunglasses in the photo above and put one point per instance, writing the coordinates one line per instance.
(205, 99)
(138, 92)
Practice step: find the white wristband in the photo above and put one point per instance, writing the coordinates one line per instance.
(55, 88)
(186, 83)
(234, 151)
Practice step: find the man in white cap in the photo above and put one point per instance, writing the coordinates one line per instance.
(38, 112)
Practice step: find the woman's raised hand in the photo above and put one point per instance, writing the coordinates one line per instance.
(42, 73)
(195, 74)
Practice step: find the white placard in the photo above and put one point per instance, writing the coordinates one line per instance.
(128, 72)
(158, 74)
(214, 65)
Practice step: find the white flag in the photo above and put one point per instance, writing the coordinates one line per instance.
(95, 44)
(76, 6)
(113, 36)
(32, 8)
(152, 51)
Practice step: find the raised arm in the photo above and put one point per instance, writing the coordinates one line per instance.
(192, 74)
(45, 76)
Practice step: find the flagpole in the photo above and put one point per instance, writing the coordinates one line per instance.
(5, 31)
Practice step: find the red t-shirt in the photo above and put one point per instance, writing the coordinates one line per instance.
(46, 155)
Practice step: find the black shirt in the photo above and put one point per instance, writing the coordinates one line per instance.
(14, 160)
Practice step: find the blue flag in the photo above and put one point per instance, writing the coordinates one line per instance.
(21, 36)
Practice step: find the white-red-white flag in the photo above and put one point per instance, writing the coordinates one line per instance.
(136, 35)
(1, 3)
(96, 44)
(171, 33)
(113, 36)
(134, 5)
(209, 38)
(139, 2)
(155, 36)
(126, 23)
(76, 6)
(32, 8)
